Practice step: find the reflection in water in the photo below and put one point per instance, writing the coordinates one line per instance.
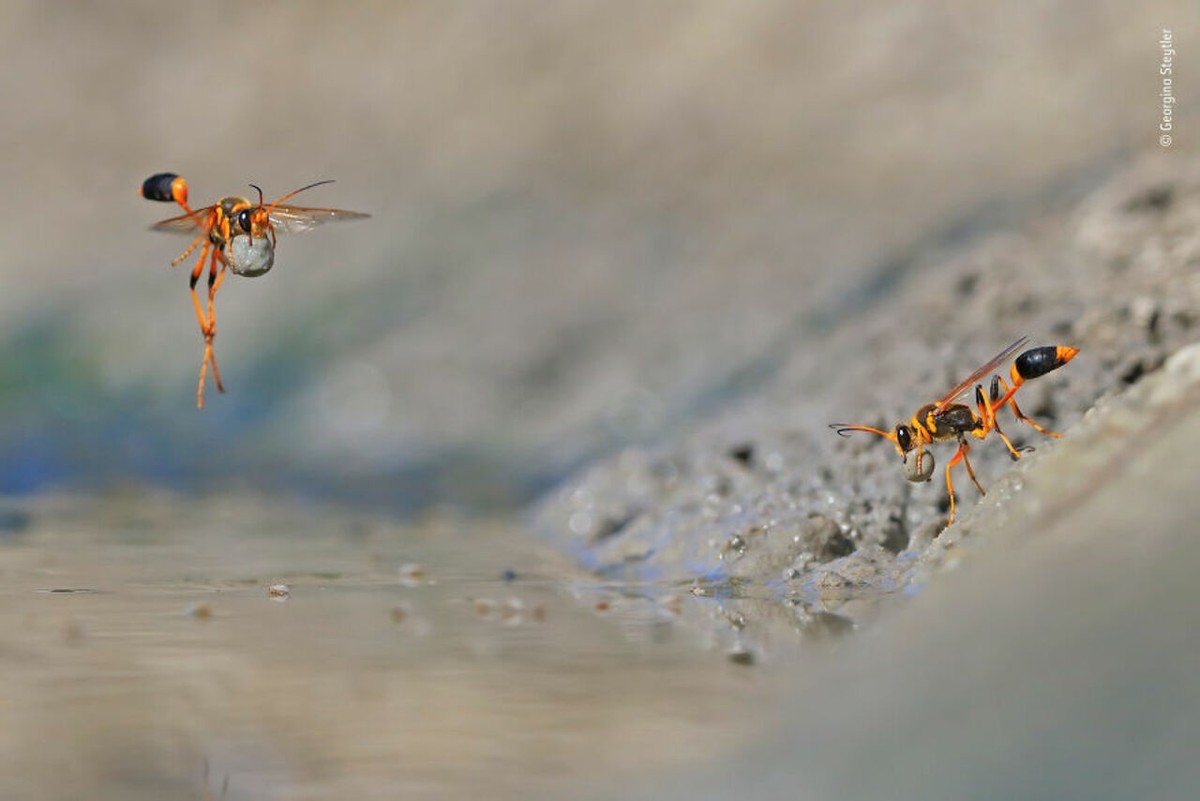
(306, 654)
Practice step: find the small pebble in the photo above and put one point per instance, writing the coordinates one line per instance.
(513, 612)
(486, 608)
(742, 656)
(413, 574)
(199, 611)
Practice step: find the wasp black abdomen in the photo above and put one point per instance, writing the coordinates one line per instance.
(1037, 362)
(160, 186)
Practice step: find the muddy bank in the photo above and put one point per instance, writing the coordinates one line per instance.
(766, 493)
(1055, 660)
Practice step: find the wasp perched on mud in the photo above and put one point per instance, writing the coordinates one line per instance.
(234, 233)
(947, 420)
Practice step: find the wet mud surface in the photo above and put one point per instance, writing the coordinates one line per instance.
(753, 497)
(149, 639)
(1049, 655)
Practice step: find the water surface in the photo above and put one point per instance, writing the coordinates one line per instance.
(141, 641)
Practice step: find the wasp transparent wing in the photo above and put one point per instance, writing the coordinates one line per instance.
(298, 219)
(190, 224)
(969, 382)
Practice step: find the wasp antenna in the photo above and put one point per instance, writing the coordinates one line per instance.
(310, 186)
(843, 429)
(298, 191)
(305, 189)
(260, 194)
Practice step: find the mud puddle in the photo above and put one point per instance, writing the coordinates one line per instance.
(158, 647)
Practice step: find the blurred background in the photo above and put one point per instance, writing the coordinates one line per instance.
(592, 223)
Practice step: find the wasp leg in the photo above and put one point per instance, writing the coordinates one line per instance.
(203, 237)
(209, 358)
(1002, 390)
(208, 324)
(987, 414)
(959, 456)
(970, 472)
(1013, 451)
(214, 285)
(950, 482)
(182, 256)
(215, 277)
(199, 268)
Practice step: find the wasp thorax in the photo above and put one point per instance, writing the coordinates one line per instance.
(918, 465)
(250, 256)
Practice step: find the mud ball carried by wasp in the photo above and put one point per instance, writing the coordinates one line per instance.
(912, 473)
(251, 256)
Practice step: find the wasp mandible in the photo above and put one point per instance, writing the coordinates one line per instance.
(233, 233)
(947, 420)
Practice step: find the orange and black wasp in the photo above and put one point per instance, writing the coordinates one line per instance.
(947, 420)
(232, 233)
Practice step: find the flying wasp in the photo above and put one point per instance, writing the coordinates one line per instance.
(233, 233)
(948, 420)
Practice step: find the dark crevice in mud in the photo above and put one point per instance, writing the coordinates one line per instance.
(743, 454)
(1157, 199)
(609, 527)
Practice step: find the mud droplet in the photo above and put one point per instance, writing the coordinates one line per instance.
(927, 464)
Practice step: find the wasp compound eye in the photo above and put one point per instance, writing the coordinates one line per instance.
(904, 438)
(243, 220)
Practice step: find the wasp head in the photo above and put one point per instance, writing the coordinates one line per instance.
(252, 218)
